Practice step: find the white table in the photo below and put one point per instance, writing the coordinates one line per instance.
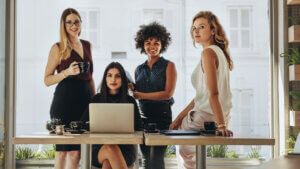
(201, 142)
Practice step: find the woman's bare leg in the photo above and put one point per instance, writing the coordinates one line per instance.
(60, 159)
(113, 154)
(106, 165)
(73, 158)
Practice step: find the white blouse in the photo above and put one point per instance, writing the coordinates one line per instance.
(199, 83)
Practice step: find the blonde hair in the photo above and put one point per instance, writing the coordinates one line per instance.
(65, 44)
(219, 35)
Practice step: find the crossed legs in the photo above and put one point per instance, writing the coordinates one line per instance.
(111, 157)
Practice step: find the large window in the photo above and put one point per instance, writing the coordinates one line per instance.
(111, 26)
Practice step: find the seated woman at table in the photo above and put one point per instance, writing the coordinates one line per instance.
(114, 89)
(211, 81)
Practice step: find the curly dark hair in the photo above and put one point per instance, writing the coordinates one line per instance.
(153, 30)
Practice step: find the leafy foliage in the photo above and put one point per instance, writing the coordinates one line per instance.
(293, 56)
(294, 20)
(295, 95)
(254, 153)
(171, 151)
(291, 144)
(25, 152)
(220, 151)
(217, 151)
(49, 153)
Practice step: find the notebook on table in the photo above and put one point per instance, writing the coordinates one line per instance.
(180, 132)
(111, 117)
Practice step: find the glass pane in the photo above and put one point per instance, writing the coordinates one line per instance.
(83, 35)
(234, 37)
(151, 15)
(245, 39)
(83, 19)
(2, 82)
(245, 17)
(233, 16)
(93, 19)
(93, 37)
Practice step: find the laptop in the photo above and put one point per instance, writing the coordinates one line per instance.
(111, 117)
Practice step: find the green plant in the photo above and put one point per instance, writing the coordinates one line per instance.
(25, 152)
(291, 144)
(293, 56)
(220, 151)
(254, 153)
(231, 154)
(217, 151)
(295, 95)
(171, 151)
(294, 20)
(49, 153)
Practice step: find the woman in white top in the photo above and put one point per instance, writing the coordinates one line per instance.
(211, 82)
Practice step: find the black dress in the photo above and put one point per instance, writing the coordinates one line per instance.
(73, 94)
(128, 151)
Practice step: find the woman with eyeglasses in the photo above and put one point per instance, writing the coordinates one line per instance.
(74, 88)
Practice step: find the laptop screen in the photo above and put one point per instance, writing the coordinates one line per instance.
(111, 117)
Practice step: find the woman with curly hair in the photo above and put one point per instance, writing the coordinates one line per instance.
(155, 84)
(211, 82)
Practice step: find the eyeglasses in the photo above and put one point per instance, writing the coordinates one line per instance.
(70, 23)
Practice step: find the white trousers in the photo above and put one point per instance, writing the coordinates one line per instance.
(194, 121)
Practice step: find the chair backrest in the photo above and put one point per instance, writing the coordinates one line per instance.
(297, 145)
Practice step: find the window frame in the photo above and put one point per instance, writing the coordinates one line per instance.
(240, 28)
(276, 43)
(87, 30)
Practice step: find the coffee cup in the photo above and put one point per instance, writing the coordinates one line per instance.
(84, 66)
(59, 129)
(151, 127)
(210, 125)
(76, 125)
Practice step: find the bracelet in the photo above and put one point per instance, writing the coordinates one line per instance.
(221, 125)
(63, 74)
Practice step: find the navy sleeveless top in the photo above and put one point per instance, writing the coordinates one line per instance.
(154, 80)
(74, 56)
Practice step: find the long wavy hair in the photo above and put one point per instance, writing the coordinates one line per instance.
(65, 44)
(220, 38)
(123, 91)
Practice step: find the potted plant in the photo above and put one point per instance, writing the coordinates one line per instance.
(291, 144)
(222, 158)
(293, 56)
(294, 30)
(28, 157)
(295, 108)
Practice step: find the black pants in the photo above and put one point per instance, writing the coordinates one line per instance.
(161, 114)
